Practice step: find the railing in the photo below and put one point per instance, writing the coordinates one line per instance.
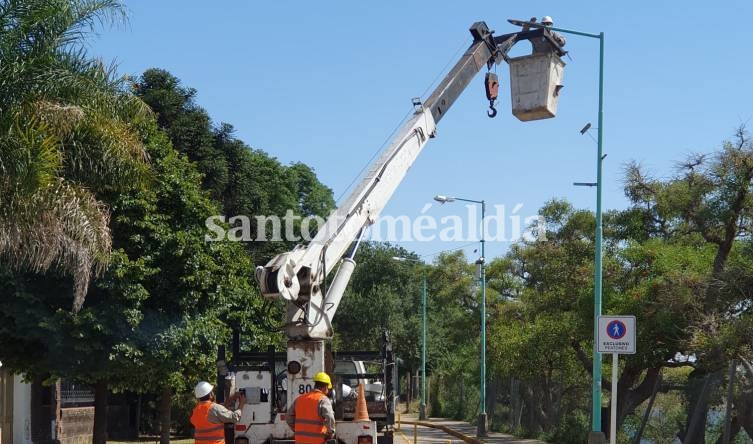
(75, 395)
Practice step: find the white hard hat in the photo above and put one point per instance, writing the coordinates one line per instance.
(347, 391)
(547, 20)
(202, 389)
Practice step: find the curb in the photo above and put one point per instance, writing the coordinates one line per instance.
(449, 431)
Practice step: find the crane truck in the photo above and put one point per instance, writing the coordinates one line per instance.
(298, 277)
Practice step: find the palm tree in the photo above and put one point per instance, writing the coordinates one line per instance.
(69, 129)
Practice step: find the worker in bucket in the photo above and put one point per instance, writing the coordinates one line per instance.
(311, 416)
(209, 418)
(548, 23)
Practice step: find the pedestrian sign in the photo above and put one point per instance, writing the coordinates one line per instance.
(616, 329)
(616, 334)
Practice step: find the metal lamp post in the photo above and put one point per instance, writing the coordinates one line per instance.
(422, 402)
(596, 435)
(482, 428)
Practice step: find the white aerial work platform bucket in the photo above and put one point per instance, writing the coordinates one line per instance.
(535, 83)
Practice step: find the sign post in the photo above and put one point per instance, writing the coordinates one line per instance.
(616, 336)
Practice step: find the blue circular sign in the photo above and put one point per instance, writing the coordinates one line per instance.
(616, 329)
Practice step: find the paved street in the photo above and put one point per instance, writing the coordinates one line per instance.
(449, 432)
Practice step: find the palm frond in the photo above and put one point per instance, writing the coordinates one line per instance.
(69, 127)
(30, 157)
(59, 117)
(61, 226)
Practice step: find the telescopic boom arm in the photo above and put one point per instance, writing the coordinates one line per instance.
(298, 275)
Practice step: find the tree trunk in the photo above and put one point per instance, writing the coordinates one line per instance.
(164, 414)
(516, 407)
(746, 422)
(138, 417)
(727, 435)
(428, 396)
(100, 413)
(647, 413)
(744, 403)
(695, 433)
(734, 426)
(629, 399)
(461, 405)
(743, 407)
(529, 419)
(434, 398)
(537, 418)
(550, 400)
(491, 399)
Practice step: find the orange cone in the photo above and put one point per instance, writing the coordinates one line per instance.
(362, 413)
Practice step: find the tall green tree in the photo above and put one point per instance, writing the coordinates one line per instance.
(383, 295)
(677, 258)
(535, 330)
(67, 131)
(544, 338)
(710, 198)
(248, 182)
(185, 292)
(187, 124)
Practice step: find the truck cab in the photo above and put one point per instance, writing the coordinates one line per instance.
(349, 375)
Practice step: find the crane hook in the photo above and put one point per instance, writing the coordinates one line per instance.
(492, 90)
(492, 110)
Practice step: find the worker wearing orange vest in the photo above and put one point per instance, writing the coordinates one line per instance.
(209, 418)
(311, 416)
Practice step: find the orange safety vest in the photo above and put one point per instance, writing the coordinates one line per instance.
(309, 426)
(206, 432)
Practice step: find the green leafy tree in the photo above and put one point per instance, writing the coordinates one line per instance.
(535, 330)
(453, 342)
(152, 324)
(197, 289)
(188, 125)
(678, 259)
(545, 338)
(709, 198)
(384, 294)
(248, 182)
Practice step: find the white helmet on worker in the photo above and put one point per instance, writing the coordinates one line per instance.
(202, 389)
(547, 21)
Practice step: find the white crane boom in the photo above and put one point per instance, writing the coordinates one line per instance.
(297, 276)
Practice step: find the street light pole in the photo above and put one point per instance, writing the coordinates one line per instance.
(596, 435)
(482, 418)
(482, 427)
(422, 405)
(596, 423)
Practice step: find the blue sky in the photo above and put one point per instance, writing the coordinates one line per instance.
(325, 83)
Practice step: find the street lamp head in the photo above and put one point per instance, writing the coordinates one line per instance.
(585, 128)
(400, 259)
(443, 199)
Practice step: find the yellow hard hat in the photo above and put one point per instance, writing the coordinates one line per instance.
(323, 378)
